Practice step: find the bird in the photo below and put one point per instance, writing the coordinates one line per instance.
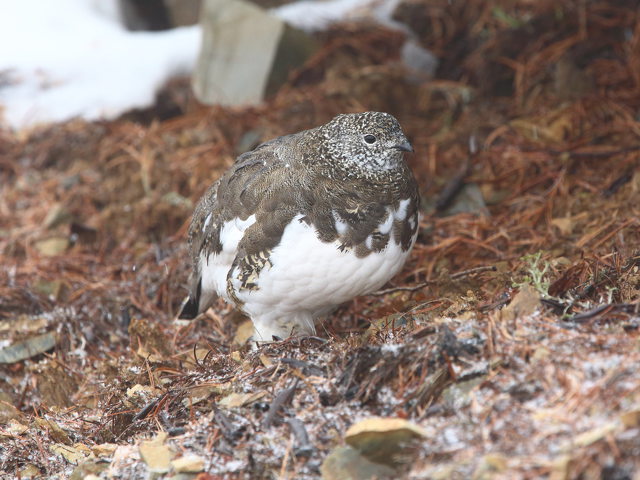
(304, 223)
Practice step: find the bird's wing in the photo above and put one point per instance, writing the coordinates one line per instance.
(363, 216)
(258, 184)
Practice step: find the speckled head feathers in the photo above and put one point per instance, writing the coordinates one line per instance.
(369, 141)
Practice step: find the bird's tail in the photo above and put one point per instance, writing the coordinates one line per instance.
(190, 307)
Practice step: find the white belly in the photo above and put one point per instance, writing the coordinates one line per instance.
(307, 278)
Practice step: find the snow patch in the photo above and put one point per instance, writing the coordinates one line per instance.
(70, 58)
(75, 58)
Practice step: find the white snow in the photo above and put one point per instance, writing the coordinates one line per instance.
(74, 58)
(312, 15)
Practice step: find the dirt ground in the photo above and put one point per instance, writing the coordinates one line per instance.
(508, 347)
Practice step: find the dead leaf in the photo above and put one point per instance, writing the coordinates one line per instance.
(188, 464)
(489, 465)
(266, 361)
(560, 468)
(525, 303)
(56, 433)
(16, 428)
(151, 344)
(539, 354)
(104, 449)
(55, 289)
(145, 391)
(7, 410)
(564, 225)
(592, 436)
(56, 385)
(57, 215)
(234, 400)
(156, 454)
(205, 390)
(50, 247)
(243, 332)
(553, 127)
(72, 454)
(631, 419)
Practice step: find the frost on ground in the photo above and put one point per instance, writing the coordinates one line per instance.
(507, 348)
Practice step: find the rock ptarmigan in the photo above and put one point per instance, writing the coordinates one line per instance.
(304, 223)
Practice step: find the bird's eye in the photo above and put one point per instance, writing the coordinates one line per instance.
(370, 139)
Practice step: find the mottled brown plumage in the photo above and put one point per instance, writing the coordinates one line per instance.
(343, 179)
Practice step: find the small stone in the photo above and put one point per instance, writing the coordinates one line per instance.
(421, 63)
(458, 395)
(468, 200)
(55, 289)
(30, 471)
(347, 463)
(381, 439)
(156, 454)
(249, 141)
(52, 246)
(28, 348)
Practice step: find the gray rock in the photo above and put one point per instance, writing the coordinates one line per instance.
(154, 15)
(183, 12)
(28, 348)
(344, 463)
(246, 53)
(421, 63)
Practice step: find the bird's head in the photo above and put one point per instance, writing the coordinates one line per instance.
(369, 142)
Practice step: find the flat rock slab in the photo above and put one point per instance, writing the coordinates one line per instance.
(246, 53)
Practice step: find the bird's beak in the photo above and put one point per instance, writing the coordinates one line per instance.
(403, 146)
